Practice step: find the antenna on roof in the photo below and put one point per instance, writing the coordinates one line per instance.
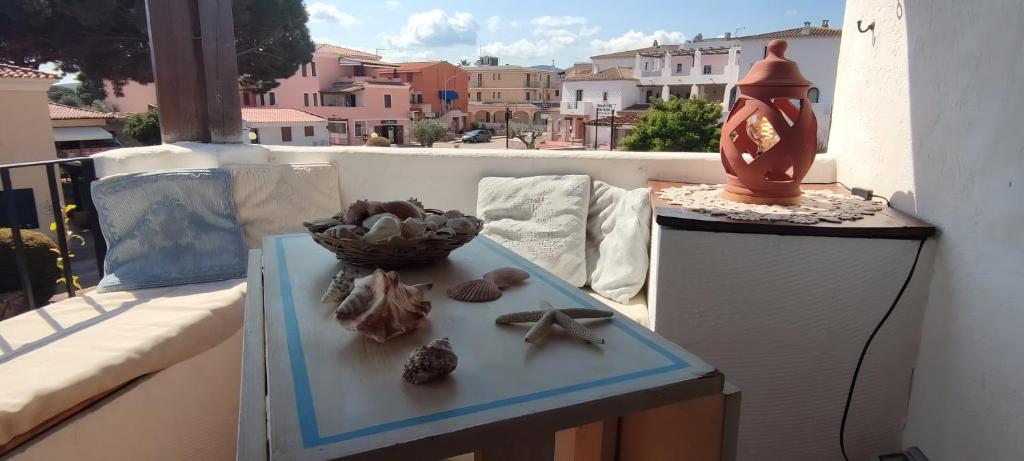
(738, 29)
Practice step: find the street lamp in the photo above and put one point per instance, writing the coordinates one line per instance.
(508, 117)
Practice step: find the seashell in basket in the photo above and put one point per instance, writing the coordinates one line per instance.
(475, 291)
(452, 214)
(320, 225)
(443, 233)
(430, 362)
(403, 209)
(462, 225)
(381, 307)
(505, 277)
(383, 229)
(344, 231)
(356, 213)
(369, 222)
(436, 221)
(413, 228)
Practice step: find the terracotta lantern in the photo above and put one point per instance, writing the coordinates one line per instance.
(768, 142)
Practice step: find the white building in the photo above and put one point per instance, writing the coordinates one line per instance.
(710, 68)
(614, 88)
(289, 127)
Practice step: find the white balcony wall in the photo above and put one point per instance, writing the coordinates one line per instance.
(942, 141)
(442, 178)
(607, 63)
(817, 57)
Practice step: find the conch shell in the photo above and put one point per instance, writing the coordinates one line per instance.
(475, 291)
(430, 362)
(381, 307)
(505, 277)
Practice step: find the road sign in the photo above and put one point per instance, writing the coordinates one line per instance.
(604, 109)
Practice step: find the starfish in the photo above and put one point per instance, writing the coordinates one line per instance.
(548, 316)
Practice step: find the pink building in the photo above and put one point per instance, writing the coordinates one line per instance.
(355, 91)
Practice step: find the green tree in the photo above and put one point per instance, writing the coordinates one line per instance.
(428, 131)
(677, 125)
(108, 39)
(144, 127)
(463, 62)
(64, 95)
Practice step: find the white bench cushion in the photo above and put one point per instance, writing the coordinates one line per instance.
(635, 309)
(57, 356)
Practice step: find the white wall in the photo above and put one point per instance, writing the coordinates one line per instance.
(917, 119)
(621, 93)
(817, 57)
(607, 63)
(270, 134)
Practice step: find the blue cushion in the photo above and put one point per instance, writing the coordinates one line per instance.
(168, 227)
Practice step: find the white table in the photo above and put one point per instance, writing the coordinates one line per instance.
(332, 394)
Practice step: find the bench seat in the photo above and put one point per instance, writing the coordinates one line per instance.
(56, 357)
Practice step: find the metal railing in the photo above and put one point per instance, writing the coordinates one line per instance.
(82, 172)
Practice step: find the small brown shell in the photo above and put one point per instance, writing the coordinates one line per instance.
(462, 225)
(453, 214)
(402, 209)
(413, 228)
(436, 221)
(505, 277)
(430, 362)
(475, 291)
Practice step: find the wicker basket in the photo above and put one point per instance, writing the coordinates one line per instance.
(396, 253)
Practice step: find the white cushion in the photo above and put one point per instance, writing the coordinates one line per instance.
(618, 238)
(176, 156)
(276, 199)
(542, 218)
(635, 309)
(57, 356)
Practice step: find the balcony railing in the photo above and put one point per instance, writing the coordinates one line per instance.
(368, 78)
(81, 172)
(571, 105)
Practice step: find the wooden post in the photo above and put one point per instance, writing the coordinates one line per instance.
(196, 70)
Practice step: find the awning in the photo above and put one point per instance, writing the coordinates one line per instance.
(448, 95)
(80, 133)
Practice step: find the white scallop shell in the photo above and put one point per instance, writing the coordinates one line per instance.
(369, 222)
(505, 277)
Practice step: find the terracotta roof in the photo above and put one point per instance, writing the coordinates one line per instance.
(798, 32)
(614, 73)
(273, 115)
(631, 53)
(327, 48)
(9, 71)
(416, 66)
(62, 112)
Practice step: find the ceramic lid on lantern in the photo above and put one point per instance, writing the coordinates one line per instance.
(775, 69)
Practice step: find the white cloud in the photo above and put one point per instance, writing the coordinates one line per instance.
(493, 23)
(791, 12)
(436, 28)
(520, 49)
(322, 12)
(557, 21)
(392, 4)
(632, 40)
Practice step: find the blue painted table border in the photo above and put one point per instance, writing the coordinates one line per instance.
(311, 437)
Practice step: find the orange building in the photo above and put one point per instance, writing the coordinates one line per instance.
(439, 90)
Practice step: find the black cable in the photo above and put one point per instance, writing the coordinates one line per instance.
(867, 344)
(887, 202)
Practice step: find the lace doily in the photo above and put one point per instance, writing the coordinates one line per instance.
(815, 206)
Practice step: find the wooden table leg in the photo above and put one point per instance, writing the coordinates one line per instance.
(520, 447)
(684, 431)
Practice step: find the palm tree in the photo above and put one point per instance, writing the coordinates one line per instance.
(463, 62)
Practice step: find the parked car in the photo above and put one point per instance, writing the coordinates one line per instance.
(477, 136)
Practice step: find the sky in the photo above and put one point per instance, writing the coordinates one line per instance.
(531, 32)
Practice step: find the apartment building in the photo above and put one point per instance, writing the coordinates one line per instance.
(440, 90)
(527, 92)
(356, 92)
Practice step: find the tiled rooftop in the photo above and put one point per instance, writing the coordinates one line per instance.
(272, 115)
(327, 48)
(9, 71)
(798, 32)
(614, 73)
(62, 112)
